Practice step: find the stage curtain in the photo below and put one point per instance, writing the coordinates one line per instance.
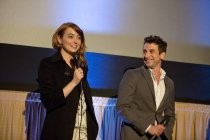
(192, 121)
(12, 107)
(22, 116)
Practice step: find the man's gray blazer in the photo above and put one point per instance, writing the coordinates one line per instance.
(136, 103)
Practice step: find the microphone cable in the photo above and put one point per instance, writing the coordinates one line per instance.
(76, 62)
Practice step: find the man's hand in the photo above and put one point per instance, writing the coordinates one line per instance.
(156, 130)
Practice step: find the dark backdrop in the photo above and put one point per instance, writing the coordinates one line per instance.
(19, 66)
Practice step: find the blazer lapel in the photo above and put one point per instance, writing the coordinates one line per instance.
(166, 92)
(148, 78)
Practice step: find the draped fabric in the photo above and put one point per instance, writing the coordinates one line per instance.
(34, 116)
(192, 121)
(12, 107)
(22, 116)
(108, 120)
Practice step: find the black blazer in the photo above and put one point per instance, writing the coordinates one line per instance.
(53, 75)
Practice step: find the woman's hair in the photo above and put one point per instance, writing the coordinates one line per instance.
(60, 32)
(162, 45)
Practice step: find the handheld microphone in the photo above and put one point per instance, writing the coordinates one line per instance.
(77, 65)
(76, 60)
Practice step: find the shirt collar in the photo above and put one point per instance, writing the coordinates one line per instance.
(162, 72)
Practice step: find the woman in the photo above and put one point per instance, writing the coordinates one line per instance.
(64, 88)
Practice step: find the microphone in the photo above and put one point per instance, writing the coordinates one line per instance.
(76, 60)
(77, 65)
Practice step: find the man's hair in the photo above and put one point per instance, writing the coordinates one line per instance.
(162, 45)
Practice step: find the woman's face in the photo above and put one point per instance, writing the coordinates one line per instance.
(70, 41)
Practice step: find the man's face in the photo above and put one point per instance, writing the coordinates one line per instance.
(152, 57)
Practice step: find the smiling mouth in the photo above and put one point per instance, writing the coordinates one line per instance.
(73, 46)
(146, 60)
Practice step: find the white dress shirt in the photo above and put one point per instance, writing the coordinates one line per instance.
(159, 87)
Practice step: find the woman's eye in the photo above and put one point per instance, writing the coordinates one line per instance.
(79, 37)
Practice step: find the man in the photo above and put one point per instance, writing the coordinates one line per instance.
(146, 96)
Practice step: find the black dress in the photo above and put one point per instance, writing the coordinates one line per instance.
(53, 75)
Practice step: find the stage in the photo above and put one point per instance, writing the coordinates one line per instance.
(22, 116)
